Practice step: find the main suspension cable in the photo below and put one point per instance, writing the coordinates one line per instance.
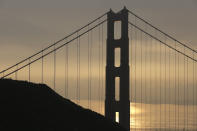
(53, 50)
(161, 31)
(163, 42)
(71, 34)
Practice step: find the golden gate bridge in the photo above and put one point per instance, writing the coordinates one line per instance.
(123, 67)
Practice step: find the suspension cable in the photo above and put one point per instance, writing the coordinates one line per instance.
(79, 69)
(163, 42)
(77, 90)
(131, 51)
(42, 68)
(165, 84)
(102, 65)
(90, 69)
(71, 34)
(161, 31)
(54, 50)
(29, 70)
(16, 73)
(135, 73)
(155, 73)
(195, 79)
(193, 88)
(184, 90)
(66, 71)
(141, 85)
(54, 67)
(99, 93)
(145, 100)
(187, 93)
(151, 61)
(160, 73)
(67, 68)
(169, 85)
(178, 88)
(175, 84)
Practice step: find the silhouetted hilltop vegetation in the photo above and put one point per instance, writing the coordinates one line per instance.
(36, 107)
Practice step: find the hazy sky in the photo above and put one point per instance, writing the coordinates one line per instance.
(26, 26)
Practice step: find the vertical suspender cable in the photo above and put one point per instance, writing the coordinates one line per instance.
(29, 69)
(99, 83)
(193, 90)
(145, 99)
(102, 78)
(150, 78)
(79, 68)
(88, 69)
(66, 71)
(78, 55)
(42, 68)
(187, 94)
(141, 74)
(178, 89)
(65, 74)
(184, 89)
(169, 87)
(3, 74)
(195, 79)
(155, 71)
(160, 73)
(91, 68)
(135, 73)
(165, 85)
(131, 67)
(77, 97)
(131, 62)
(16, 75)
(54, 67)
(175, 84)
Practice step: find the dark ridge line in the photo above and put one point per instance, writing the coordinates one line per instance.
(36, 106)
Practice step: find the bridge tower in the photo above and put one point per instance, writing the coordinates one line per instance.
(122, 106)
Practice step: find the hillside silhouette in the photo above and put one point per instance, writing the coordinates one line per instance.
(36, 107)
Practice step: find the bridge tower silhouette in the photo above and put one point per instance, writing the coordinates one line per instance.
(122, 106)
